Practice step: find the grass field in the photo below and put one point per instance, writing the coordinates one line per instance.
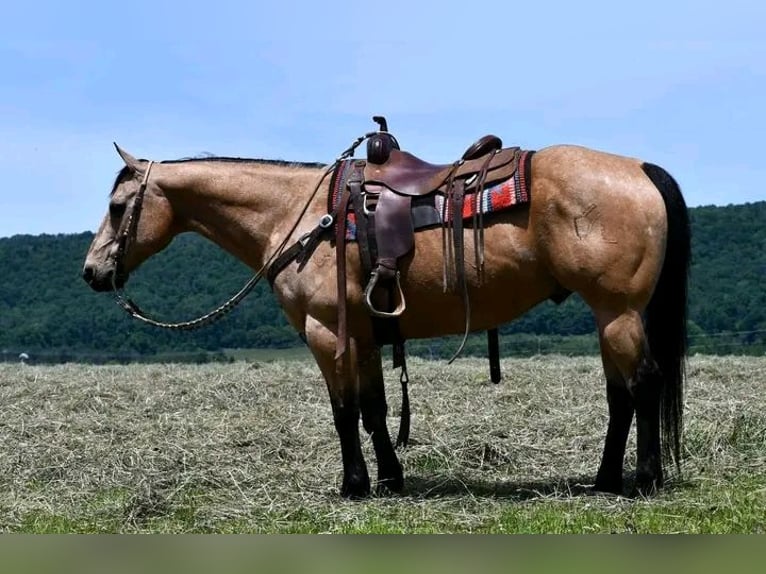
(250, 447)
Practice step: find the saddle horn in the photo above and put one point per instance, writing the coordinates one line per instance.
(380, 144)
(381, 121)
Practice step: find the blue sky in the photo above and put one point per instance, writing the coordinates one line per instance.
(681, 84)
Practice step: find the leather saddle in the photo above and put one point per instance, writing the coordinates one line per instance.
(394, 178)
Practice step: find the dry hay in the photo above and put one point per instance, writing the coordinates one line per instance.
(252, 442)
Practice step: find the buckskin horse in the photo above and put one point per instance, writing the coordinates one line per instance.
(612, 229)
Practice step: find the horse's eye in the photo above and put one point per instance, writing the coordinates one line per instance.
(116, 210)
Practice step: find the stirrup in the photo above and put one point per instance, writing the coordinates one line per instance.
(368, 298)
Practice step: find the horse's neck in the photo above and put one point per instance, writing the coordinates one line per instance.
(247, 208)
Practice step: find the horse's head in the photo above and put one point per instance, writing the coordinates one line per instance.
(137, 225)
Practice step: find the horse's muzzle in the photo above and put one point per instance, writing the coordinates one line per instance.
(107, 280)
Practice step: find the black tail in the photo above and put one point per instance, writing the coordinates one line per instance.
(666, 314)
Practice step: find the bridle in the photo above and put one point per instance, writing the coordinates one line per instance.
(129, 232)
(129, 228)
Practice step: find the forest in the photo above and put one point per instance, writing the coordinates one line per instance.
(48, 312)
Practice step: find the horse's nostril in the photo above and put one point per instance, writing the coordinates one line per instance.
(87, 274)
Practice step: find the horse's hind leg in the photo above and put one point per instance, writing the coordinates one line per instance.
(624, 343)
(372, 396)
(647, 391)
(609, 478)
(344, 398)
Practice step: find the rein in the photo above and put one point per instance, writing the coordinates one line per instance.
(129, 234)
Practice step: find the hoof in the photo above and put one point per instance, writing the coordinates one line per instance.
(646, 486)
(390, 477)
(611, 485)
(355, 487)
(388, 485)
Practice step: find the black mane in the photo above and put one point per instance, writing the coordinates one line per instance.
(280, 162)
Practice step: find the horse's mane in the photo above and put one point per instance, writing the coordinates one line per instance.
(125, 171)
(280, 162)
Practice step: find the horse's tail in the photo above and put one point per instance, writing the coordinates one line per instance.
(666, 313)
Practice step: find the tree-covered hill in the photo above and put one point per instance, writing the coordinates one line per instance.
(46, 309)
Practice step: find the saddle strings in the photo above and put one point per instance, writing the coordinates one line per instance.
(478, 228)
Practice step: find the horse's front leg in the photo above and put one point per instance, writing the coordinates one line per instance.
(372, 394)
(344, 397)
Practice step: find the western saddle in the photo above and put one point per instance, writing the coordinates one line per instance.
(394, 178)
(391, 193)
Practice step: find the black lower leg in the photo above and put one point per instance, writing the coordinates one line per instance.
(609, 478)
(647, 386)
(374, 410)
(356, 481)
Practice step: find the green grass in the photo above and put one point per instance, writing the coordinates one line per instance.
(736, 507)
(249, 447)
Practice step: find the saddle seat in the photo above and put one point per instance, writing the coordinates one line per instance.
(407, 174)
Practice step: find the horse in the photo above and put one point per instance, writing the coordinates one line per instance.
(612, 229)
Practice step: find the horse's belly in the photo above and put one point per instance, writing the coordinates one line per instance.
(513, 281)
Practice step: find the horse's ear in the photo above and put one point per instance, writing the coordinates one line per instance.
(129, 160)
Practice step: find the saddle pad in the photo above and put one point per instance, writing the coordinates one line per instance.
(492, 199)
